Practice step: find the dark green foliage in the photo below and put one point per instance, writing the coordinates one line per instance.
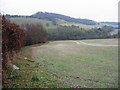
(76, 33)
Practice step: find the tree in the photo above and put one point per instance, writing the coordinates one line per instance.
(34, 34)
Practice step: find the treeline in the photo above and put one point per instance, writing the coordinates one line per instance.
(34, 33)
(76, 33)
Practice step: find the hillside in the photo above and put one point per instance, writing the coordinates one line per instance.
(24, 20)
(61, 27)
(53, 16)
(50, 24)
(114, 24)
(64, 30)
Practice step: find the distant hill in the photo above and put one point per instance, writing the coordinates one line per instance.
(61, 27)
(114, 24)
(110, 23)
(53, 16)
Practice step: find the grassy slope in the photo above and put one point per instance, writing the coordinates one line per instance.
(67, 64)
(22, 20)
(65, 23)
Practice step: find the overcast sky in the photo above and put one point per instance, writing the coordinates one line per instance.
(98, 10)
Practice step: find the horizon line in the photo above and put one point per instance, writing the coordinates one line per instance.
(54, 13)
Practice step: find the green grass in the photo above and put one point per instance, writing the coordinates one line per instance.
(80, 25)
(67, 64)
(31, 74)
(23, 20)
(83, 66)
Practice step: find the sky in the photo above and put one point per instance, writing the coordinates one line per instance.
(98, 10)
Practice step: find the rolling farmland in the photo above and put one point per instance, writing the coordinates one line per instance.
(68, 64)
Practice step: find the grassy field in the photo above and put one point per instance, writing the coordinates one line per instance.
(67, 64)
(23, 20)
(80, 25)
